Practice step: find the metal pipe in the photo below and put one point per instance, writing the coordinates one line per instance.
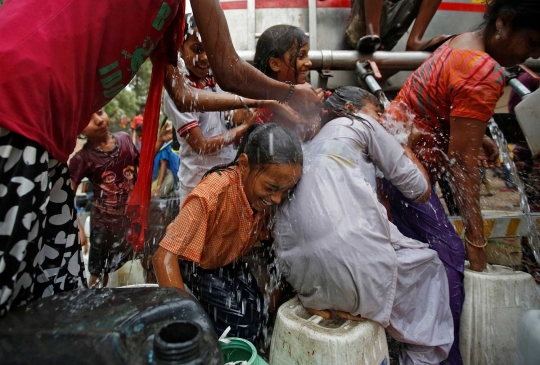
(346, 60)
(251, 24)
(312, 13)
(367, 77)
(258, 35)
(519, 88)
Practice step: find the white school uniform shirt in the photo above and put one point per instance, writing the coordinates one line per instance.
(193, 165)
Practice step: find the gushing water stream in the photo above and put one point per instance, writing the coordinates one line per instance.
(532, 231)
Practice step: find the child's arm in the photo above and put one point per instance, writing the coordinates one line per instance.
(243, 115)
(160, 177)
(205, 145)
(190, 99)
(164, 136)
(82, 234)
(167, 269)
(185, 239)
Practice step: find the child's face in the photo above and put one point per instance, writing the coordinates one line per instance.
(194, 56)
(98, 126)
(266, 188)
(296, 73)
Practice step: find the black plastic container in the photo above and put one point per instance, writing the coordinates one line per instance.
(110, 326)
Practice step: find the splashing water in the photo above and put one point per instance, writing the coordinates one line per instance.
(271, 144)
(400, 127)
(383, 99)
(532, 233)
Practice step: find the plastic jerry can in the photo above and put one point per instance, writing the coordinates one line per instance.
(300, 338)
(135, 326)
(495, 302)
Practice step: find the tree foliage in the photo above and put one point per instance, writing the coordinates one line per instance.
(128, 102)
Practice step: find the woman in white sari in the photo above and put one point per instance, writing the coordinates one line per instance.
(336, 245)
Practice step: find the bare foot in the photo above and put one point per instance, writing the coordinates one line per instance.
(348, 316)
(321, 313)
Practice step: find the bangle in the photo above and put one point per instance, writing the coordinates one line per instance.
(472, 244)
(243, 103)
(291, 90)
(234, 102)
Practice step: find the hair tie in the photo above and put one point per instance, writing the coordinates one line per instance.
(324, 112)
(327, 94)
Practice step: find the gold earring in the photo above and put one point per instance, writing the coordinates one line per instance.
(498, 36)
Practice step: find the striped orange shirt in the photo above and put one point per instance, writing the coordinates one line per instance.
(216, 224)
(450, 83)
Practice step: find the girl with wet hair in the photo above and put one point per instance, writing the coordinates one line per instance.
(339, 104)
(282, 54)
(336, 246)
(220, 221)
(450, 99)
(281, 42)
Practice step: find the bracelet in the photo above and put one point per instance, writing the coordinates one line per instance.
(234, 102)
(291, 90)
(243, 103)
(473, 245)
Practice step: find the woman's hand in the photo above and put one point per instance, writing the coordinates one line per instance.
(305, 100)
(477, 255)
(488, 156)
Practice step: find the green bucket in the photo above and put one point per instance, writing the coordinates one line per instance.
(240, 350)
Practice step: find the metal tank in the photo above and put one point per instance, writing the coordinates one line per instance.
(325, 20)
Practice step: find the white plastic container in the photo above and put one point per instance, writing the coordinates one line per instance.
(528, 339)
(495, 302)
(528, 116)
(300, 339)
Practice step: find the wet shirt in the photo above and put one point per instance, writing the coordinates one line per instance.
(450, 83)
(63, 60)
(192, 164)
(334, 242)
(216, 224)
(113, 174)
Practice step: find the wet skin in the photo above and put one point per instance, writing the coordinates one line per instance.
(265, 187)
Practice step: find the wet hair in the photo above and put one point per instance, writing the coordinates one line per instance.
(275, 42)
(334, 106)
(525, 14)
(189, 25)
(267, 144)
